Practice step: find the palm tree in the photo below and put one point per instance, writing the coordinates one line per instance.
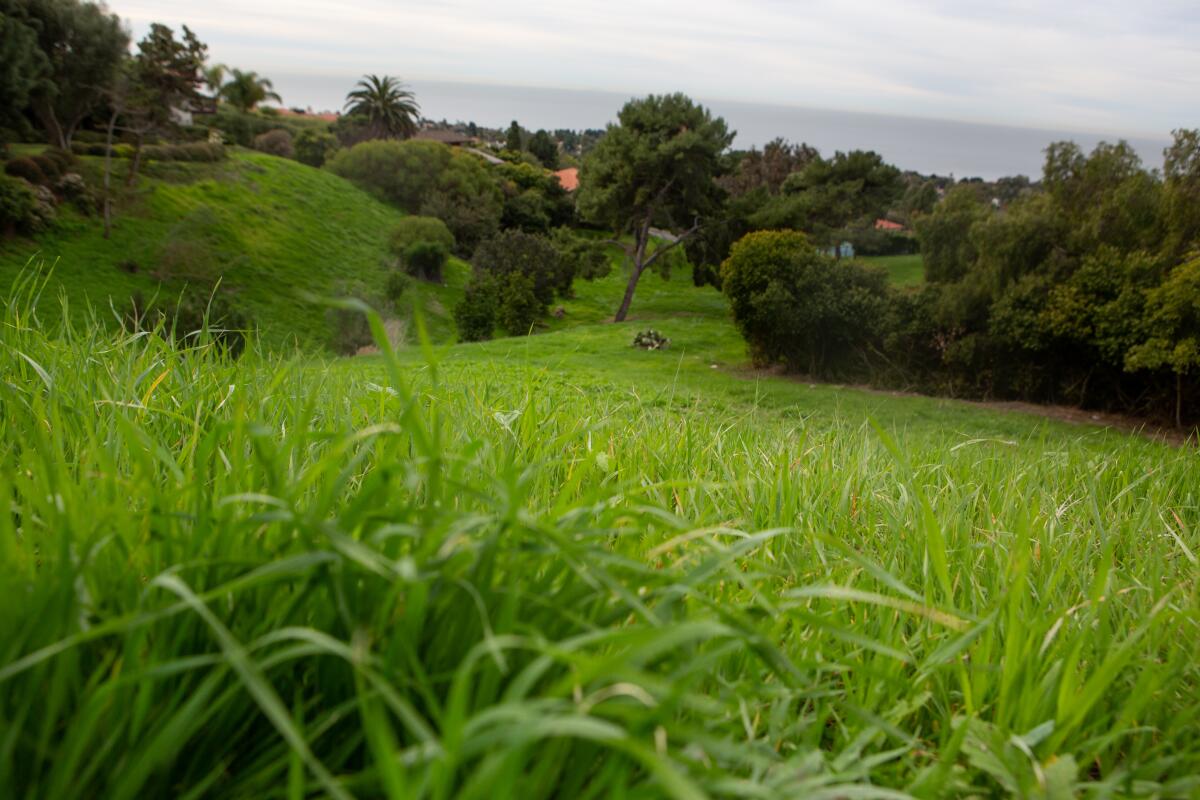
(390, 108)
(214, 77)
(245, 90)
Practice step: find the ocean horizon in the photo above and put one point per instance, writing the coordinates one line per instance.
(928, 146)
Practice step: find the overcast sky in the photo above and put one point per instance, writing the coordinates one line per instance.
(1086, 65)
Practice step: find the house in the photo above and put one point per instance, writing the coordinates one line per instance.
(186, 114)
(843, 250)
(888, 225)
(569, 178)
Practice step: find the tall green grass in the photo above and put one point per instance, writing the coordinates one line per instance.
(422, 577)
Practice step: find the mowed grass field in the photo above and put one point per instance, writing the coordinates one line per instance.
(908, 270)
(557, 566)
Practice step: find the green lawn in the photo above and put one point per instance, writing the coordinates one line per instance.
(903, 270)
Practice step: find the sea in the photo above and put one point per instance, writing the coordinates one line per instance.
(928, 146)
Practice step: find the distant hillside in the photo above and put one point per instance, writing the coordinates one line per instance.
(268, 228)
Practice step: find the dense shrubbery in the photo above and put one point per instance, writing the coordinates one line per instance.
(26, 169)
(1086, 292)
(534, 200)
(475, 316)
(425, 260)
(797, 306)
(276, 142)
(314, 147)
(17, 206)
(519, 273)
(427, 178)
(411, 230)
(189, 151)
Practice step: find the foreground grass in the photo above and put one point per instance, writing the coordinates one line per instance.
(556, 568)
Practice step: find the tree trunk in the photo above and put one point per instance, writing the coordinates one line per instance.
(45, 113)
(639, 258)
(112, 125)
(137, 161)
(627, 300)
(1178, 399)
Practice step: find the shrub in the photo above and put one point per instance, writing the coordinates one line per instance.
(513, 251)
(475, 315)
(25, 168)
(578, 257)
(470, 222)
(72, 187)
(518, 304)
(796, 306)
(350, 331)
(410, 230)
(315, 147)
(63, 159)
(427, 178)
(276, 142)
(395, 285)
(49, 167)
(16, 206)
(425, 260)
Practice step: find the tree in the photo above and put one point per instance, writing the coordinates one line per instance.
(768, 168)
(1172, 325)
(1181, 170)
(794, 305)
(314, 147)
(82, 46)
(390, 109)
(946, 246)
(245, 90)
(655, 167)
(214, 78)
(24, 64)
(512, 140)
(166, 75)
(545, 148)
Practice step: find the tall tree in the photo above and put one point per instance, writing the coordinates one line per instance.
(214, 77)
(390, 108)
(166, 75)
(83, 46)
(655, 167)
(22, 65)
(512, 140)
(245, 90)
(545, 148)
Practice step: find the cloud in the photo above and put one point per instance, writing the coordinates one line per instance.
(1109, 66)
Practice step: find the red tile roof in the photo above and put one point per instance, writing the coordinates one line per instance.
(887, 225)
(569, 178)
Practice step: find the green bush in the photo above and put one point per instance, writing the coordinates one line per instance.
(518, 305)
(428, 178)
(395, 285)
(315, 147)
(410, 230)
(425, 260)
(796, 306)
(514, 251)
(25, 168)
(49, 167)
(475, 315)
(17, 203)
(277, 142)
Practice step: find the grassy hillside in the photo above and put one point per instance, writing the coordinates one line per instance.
(556, 566)
(267, 227)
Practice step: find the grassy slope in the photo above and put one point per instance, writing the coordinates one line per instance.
(903, 270)
(268, 227)
(527, 567)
